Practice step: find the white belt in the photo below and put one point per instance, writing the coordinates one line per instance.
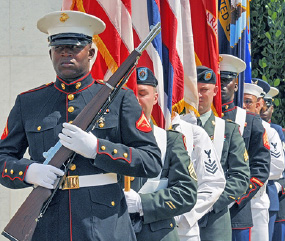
(75, 182)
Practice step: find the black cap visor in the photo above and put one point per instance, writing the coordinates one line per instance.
(69, 39)
(228, 74)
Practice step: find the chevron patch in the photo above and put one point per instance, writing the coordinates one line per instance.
(275, 154)
(211, 166)
(192, 171)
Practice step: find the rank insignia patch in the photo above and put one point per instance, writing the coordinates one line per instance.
(192, 171)
(265, 141)
(5, 132)
(245, 156)
(143, 124)
(184, 142)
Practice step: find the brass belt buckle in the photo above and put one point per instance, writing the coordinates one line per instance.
(71, 182)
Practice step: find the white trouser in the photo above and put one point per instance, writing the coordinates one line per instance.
(260, 218)
(260, 215)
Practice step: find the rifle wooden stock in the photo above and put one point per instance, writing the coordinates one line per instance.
(22, 226)
(127, 183)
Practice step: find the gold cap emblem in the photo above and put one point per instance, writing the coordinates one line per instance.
(63, 17)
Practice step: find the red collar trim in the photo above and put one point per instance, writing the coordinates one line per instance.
(65, 92)
(228, 103)
(74, 82)
(230, 109)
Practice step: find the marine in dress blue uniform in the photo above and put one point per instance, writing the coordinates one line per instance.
(122, 140)
(256, 143)
(277, 159)
(266, 114)
(178, 182)
(265, 203)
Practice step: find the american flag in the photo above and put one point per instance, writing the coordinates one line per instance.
(171, 55)
(234, 37)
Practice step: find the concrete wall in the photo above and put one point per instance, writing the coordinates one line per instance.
(24, 64)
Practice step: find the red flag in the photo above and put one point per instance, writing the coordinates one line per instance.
(116, 42)
(205, 30)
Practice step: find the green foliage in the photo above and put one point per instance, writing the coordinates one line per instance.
(268, 49)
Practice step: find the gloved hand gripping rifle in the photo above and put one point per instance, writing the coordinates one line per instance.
(22, 226)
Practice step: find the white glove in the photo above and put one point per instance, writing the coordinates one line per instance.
(134, 202)
(42, 175)
(278, 186)
(75, 139)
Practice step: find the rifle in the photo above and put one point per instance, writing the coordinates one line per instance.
(22, 226)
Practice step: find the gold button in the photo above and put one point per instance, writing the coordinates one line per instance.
(11, 171)
(20, 173)
(6, 170)
(171, 225)
(103, 148)
(227, 107)
(115, 151)
(77, 86)
(223, 114)
(72, 167)
(71, 97)
(250, 185)
(214, 123)
(101, 125)
(63, 86)
(125, 155)
(70, 122)
(113, 203)
(238, 198)
(70, 109)
(39, 128)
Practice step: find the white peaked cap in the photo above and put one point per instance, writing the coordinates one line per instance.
(252, 89)
(272, 92)
(230, 63)
(70, 22)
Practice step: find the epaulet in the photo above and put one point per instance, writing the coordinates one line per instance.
(99, 81)
(229, 120)
(172, 130)
(38, 88)
(125, 88)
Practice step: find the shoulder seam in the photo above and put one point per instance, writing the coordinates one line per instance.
(37, 88)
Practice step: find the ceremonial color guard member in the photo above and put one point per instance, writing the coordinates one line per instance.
(122, 141)
(265, 203)
(174, 191)
(233, 156)
(256, 143)
(210, 175)
(266, 114)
